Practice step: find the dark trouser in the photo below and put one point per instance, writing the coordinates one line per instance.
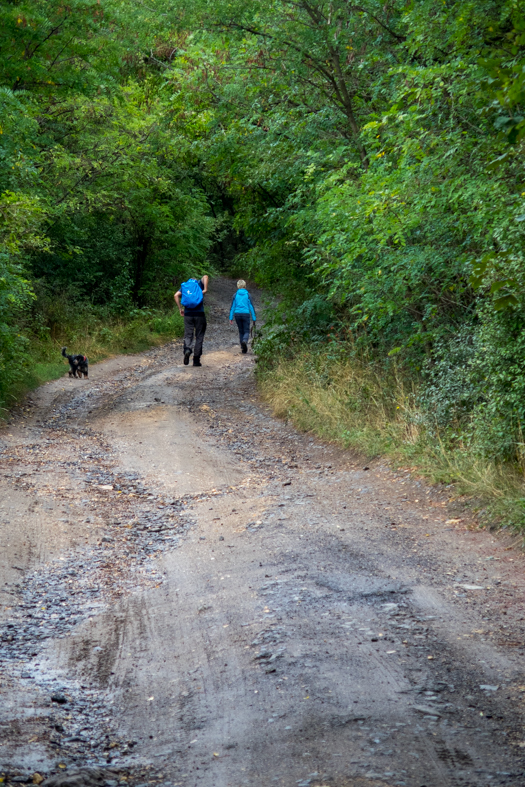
(197, 323)
(243, 324)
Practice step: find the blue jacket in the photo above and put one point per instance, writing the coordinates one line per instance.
(241, 304)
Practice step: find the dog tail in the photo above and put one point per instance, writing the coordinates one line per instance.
(64, 352)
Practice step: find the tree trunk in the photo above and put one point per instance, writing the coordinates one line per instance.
(141, 257)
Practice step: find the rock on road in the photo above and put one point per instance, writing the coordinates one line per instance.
(193, 593)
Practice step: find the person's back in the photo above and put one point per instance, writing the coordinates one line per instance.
(242, 301)
(191, 307)
(241, 310)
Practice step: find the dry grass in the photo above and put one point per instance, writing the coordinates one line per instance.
(343, 401)
(353, 404)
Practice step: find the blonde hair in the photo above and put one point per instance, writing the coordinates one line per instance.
(241, 284)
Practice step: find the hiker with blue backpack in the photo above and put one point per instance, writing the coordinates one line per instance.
(241, 310)
(190, 300)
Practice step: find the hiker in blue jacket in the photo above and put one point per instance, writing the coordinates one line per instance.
(190, 300)
(241, 309)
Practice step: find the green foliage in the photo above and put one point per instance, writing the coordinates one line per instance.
(14, 297)
(98, 201)
(503, 65)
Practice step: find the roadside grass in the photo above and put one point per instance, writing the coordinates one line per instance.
(353, 404)
(97, 335)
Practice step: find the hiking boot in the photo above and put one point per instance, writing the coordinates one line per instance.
(244, 347)
(197, 362)
(187, 357)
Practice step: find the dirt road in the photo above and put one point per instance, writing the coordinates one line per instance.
(192, 593)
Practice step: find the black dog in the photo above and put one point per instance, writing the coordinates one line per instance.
(77, 364)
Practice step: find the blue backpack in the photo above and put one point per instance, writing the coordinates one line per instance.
(191, 294)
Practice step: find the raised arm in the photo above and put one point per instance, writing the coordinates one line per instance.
(205, 280)
(177, 297)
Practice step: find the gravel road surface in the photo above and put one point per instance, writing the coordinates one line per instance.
(193, 593)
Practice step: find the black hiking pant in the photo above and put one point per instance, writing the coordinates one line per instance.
(194, 324)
